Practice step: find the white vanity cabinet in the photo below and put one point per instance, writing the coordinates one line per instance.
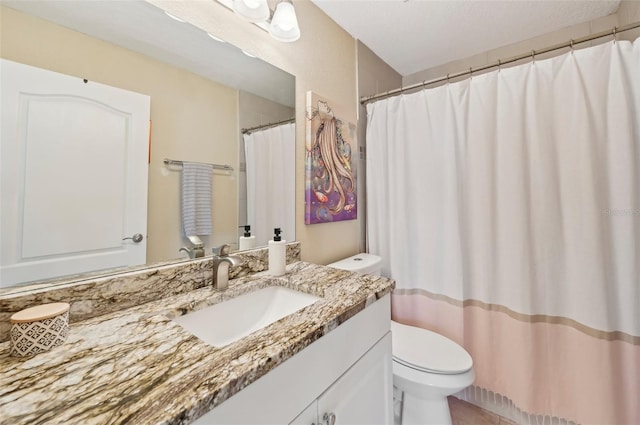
(360, 396)
(346, 373)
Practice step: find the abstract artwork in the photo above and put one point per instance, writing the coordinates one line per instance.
(330, 163)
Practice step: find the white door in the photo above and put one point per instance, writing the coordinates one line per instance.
(364, 394)
(74, 175)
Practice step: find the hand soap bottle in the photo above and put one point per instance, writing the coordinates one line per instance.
(277, 254)
(247, 241)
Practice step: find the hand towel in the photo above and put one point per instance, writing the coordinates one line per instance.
(196, 198)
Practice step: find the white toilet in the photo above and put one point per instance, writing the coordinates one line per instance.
(427, 367)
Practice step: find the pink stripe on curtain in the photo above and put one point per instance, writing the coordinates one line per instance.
(577, 377)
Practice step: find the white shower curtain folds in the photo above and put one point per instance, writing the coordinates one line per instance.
(518, 192)
(270, 156)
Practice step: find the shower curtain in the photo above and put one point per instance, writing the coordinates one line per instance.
(507, 208)
(270, 155)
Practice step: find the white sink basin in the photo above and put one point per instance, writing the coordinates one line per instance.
(228, 321)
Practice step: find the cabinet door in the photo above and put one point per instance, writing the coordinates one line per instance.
(308, 416)
(364, 394)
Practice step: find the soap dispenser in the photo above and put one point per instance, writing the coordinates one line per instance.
(277, 254)
(247, 241)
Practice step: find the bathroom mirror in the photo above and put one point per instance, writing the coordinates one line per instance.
(222, 91)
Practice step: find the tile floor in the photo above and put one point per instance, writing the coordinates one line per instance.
(463, 413)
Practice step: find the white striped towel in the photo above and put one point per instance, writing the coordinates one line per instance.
(196, 198)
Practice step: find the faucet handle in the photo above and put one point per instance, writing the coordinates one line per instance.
(196, 241)
(222, 250)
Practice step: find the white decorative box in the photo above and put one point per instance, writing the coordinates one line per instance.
(38, 329)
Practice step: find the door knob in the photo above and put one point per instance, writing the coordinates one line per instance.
(137, 238)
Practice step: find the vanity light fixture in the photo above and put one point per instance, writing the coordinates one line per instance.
(282, 23)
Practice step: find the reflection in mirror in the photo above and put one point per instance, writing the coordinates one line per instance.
(269, 181)
(202, 92)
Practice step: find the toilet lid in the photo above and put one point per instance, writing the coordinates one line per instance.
(428, 351)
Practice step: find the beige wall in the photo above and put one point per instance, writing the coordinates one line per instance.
(193, 118)
(628, 12)
(323, 60)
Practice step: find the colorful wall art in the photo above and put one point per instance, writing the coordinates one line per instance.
(330, 163)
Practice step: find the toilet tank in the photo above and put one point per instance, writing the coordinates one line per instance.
(360, 263)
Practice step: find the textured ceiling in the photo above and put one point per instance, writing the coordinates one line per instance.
(414, 35)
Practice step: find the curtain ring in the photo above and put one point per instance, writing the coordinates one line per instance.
(571, 45)
(499, 65)
(615, 34)
(447, 78)
(533, 56)
(470, 72)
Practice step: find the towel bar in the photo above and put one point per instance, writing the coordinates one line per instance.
(224, 167)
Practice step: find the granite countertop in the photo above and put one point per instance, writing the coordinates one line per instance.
(138, 366)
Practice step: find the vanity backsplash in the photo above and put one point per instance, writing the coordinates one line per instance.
(101, 295)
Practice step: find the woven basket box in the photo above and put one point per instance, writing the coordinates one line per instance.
(38, 329)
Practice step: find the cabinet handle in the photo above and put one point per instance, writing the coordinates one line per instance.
(329, 418)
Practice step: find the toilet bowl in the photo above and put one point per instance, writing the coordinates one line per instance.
(427, 367)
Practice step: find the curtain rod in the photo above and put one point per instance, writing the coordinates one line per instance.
(532, 54)
(215, 166)
(265, 126)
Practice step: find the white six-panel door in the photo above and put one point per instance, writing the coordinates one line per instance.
(74, 175)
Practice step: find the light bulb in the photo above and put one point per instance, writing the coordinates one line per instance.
(252, 4)
(284, 25)
(252, 10)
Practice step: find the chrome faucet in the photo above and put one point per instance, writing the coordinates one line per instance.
(197, 251)
(221, 262)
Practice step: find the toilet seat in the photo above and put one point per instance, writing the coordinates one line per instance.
(427, 351)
